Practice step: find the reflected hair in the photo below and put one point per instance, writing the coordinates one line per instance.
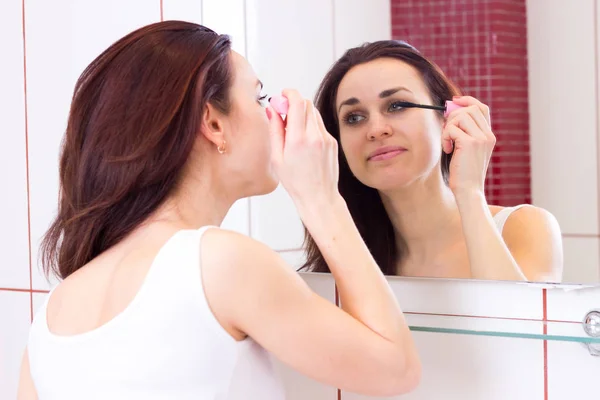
(134, 118)
(364, 202)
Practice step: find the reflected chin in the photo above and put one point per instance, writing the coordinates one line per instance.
(386, 181)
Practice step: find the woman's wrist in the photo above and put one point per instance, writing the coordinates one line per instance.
(324, 215)
(467, 200)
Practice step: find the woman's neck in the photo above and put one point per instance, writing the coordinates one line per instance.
(198, 200)
(425, 215)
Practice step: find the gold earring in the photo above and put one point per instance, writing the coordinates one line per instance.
(221, 147)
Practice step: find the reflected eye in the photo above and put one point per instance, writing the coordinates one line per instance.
(352, 119)
(262, 100)
(397, 106)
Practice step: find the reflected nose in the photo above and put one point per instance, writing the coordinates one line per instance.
(378, 130)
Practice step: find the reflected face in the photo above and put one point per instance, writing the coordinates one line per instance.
(248, 129)
(387, 146)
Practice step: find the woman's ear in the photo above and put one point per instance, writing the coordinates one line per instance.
(213, 125)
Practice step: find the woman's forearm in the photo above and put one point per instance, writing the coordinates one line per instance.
(363, 290)
(489, 257)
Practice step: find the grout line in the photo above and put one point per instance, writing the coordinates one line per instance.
(597, 69)
(24, 290)
(290, 250)
(581, 235)
(246, 38)
(337, 303)
(490, 317)
(201, 12)
(246, 54)
(333, 37)
(250, 220)
(337, 295)
(27, 158)
(545, 332)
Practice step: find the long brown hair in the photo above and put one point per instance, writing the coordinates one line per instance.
(135, 114)
(364, 202)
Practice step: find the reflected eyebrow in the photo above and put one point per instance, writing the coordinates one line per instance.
(386, 93)
(259, 83)
(389, 92)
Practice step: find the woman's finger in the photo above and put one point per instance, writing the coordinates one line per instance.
(465, 120)
(296, 116)
(466, 101)
(452, 135)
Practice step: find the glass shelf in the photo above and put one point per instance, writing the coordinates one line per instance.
(561, 331)
(560, 338)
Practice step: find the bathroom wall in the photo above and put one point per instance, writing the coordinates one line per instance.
(482, 46)
(564, 48)
(47, 44)
(479, 366)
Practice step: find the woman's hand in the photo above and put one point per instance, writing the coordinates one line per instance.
(468, 131)
(304, 154)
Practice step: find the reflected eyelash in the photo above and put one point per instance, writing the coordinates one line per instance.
(400, 103)
(403, 104)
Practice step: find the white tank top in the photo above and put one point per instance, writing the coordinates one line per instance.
(166, 344)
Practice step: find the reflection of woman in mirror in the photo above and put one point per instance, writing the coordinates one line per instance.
(414, 180)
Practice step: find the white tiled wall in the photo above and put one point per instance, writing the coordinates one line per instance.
(570, 308)
(563, 49)
(468, 298)
(582, 258)
(297, 55)
(355, 24)
(14, 270)
(298, 386)
(487, 365)
(475, 367)
(15, 314)
(468, 367)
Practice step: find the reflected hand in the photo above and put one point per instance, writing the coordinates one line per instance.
(467, 130)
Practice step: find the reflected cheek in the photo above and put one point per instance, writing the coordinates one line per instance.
(354, 154)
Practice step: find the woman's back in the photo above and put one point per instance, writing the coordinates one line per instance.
(164, 344)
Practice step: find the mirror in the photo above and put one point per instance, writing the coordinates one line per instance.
(511, 57)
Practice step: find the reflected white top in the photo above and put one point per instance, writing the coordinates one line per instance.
(166, 344)
(501, 217)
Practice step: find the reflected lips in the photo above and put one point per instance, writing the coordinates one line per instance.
(385, 153)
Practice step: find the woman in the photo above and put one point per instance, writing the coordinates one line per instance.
(414, 180)
(166, 131)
